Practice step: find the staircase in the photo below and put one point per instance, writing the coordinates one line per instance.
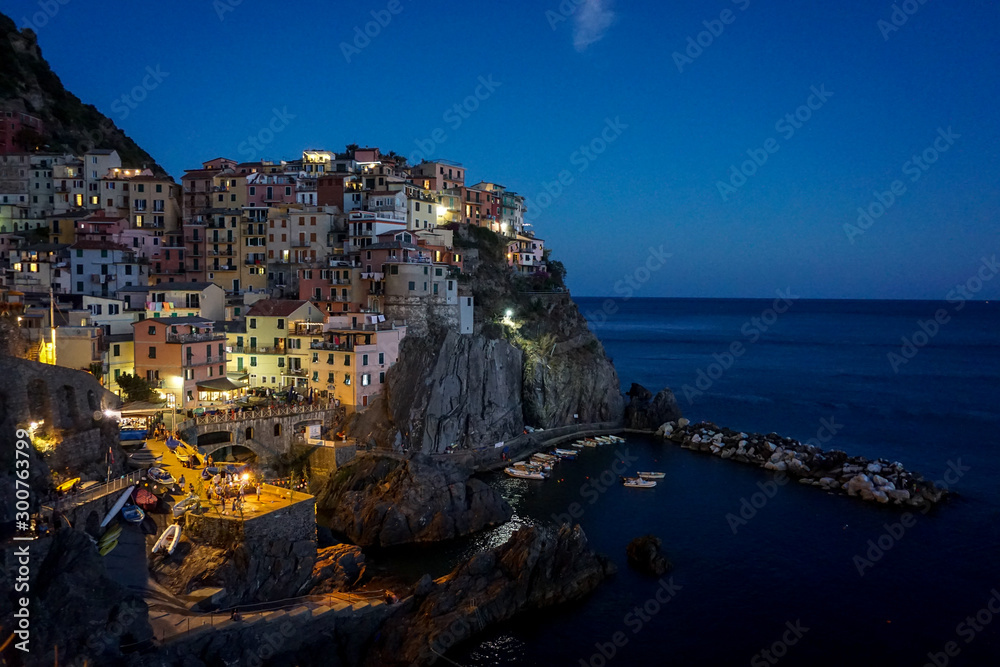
(35, 351)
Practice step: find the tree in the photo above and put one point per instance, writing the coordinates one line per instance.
(134, 387)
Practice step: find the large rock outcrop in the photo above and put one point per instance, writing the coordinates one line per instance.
(646, 412)
(572, 381)
(383, 501)
(464, 391)
(75, 606)
(537, 567)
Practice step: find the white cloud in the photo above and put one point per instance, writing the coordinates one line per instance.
(592, 20)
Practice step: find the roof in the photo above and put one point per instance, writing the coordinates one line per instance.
(275, 307)
(391, 245)
(134, 288)
(182, 287)
(42, 247)
(175, 320)
(118, 338)
(100, 151)
(220, 384)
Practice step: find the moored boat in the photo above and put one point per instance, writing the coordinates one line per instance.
(67, 485)
(651, 475)
(522, 473)
(161, 476)
(119, 504)
(186, 504)
(110, 535)
(639, 483)
(145, 499)
(107, 548)
(545, 458)
(133, 513)
(567, 453)
(578, 444)
(168, 540)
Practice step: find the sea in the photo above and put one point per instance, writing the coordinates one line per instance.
(767, 573)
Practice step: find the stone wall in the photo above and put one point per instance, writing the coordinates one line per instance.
(63, 398)
(289, 524)
(420, 313)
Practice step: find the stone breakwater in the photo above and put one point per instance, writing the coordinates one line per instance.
(879, 481)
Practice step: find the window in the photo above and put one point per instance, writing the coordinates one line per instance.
(381, 358)
(281, 323)
(412, 286)
(253, 361)
(253, 324)
(117, 350)
(347, 360)
(152, 352)
(364, 359)
(381, 378)
(347, 378)
(366, 380)
(151, 331)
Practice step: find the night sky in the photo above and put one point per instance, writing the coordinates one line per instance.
(536, 89)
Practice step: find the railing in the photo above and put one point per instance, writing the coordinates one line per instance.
(242, 349)
(295, 372)
(331, 347)
(194, 337)
(99, 491)
(259, 413)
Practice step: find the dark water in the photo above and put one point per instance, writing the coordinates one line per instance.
(793, 562)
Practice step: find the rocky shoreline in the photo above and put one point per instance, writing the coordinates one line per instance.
(880, 480)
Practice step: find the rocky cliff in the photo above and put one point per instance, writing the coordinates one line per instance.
(537, 567)
(540, 366)
(75, 606)
(27, 83)
(382, 501)
(646, 412)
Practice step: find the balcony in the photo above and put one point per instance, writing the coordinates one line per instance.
(332, 347)
(194, 337)
(208, 361)
(295, 372)
(241, 349)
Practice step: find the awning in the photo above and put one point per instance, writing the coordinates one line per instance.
(220, 384)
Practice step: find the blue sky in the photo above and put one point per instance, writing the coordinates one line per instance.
(558, 75)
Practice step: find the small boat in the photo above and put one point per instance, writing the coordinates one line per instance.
(133, 513)
(67, 485)
(209, 472)
(567, 453)
(168, 540)
(548, 458)
(639, 483)
(651, 475)
(110, 535)
(161, 476)
(119, 504)
(145, 499)
(589, 442)
(578, 444)
(521, 473)
(533, 465)
(107, 548)
(182, 455)
(186, 504)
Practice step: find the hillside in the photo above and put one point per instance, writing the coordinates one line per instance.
(27, 82)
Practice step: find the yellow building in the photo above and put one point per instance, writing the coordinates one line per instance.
(273, 348)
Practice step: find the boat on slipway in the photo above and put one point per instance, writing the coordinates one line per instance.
(119, 504)
(169, 539)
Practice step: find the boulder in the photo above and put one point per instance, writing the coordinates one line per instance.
(538, 567)
(382, 501)
(645, 554)
(645, 411)
(338, 568)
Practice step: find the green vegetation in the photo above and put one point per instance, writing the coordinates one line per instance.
(135, 388)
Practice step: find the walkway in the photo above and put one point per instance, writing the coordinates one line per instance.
(98, 492)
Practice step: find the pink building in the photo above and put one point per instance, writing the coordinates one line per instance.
(264, 190)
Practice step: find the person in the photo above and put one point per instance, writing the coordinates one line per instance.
(258, 492)
(236, 614)
(181, 481)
